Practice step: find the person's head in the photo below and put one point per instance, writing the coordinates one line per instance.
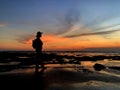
(39, 34)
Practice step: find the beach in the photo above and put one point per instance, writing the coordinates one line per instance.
(59, 76)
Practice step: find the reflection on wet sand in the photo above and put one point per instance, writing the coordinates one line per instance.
(22, 79)
(39, 80)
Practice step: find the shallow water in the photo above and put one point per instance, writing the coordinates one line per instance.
(75, 79)
(72, 76)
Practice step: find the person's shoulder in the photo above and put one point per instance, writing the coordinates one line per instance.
(34, 40)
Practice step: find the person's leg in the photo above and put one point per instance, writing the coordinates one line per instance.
(37, 62)
(42, 64)
(40, 60)
(36, 67)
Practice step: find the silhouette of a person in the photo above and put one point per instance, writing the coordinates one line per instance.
(37, 45)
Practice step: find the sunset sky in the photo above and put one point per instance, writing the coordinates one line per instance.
(66, 24)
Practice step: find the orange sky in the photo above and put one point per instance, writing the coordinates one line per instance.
(53, 42)
(59, 42)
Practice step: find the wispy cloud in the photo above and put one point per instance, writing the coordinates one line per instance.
(67, 21)
(25, 39)
(2, 25)
(73, 17)
(94, 33)
(107, 27)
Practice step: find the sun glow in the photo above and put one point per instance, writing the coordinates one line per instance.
(53, 42)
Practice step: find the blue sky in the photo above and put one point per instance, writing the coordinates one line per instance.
(41, 12)
(22, 18)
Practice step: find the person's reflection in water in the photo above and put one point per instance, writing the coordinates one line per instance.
(39, 81)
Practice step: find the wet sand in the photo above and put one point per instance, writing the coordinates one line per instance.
(22, 79)
(57, 78)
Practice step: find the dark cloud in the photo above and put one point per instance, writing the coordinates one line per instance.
(94, 33)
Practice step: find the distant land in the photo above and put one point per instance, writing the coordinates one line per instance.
(102, 50)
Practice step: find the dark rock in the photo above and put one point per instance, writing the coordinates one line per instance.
(99, 67)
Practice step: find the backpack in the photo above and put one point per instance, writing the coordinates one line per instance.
(34, 43)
